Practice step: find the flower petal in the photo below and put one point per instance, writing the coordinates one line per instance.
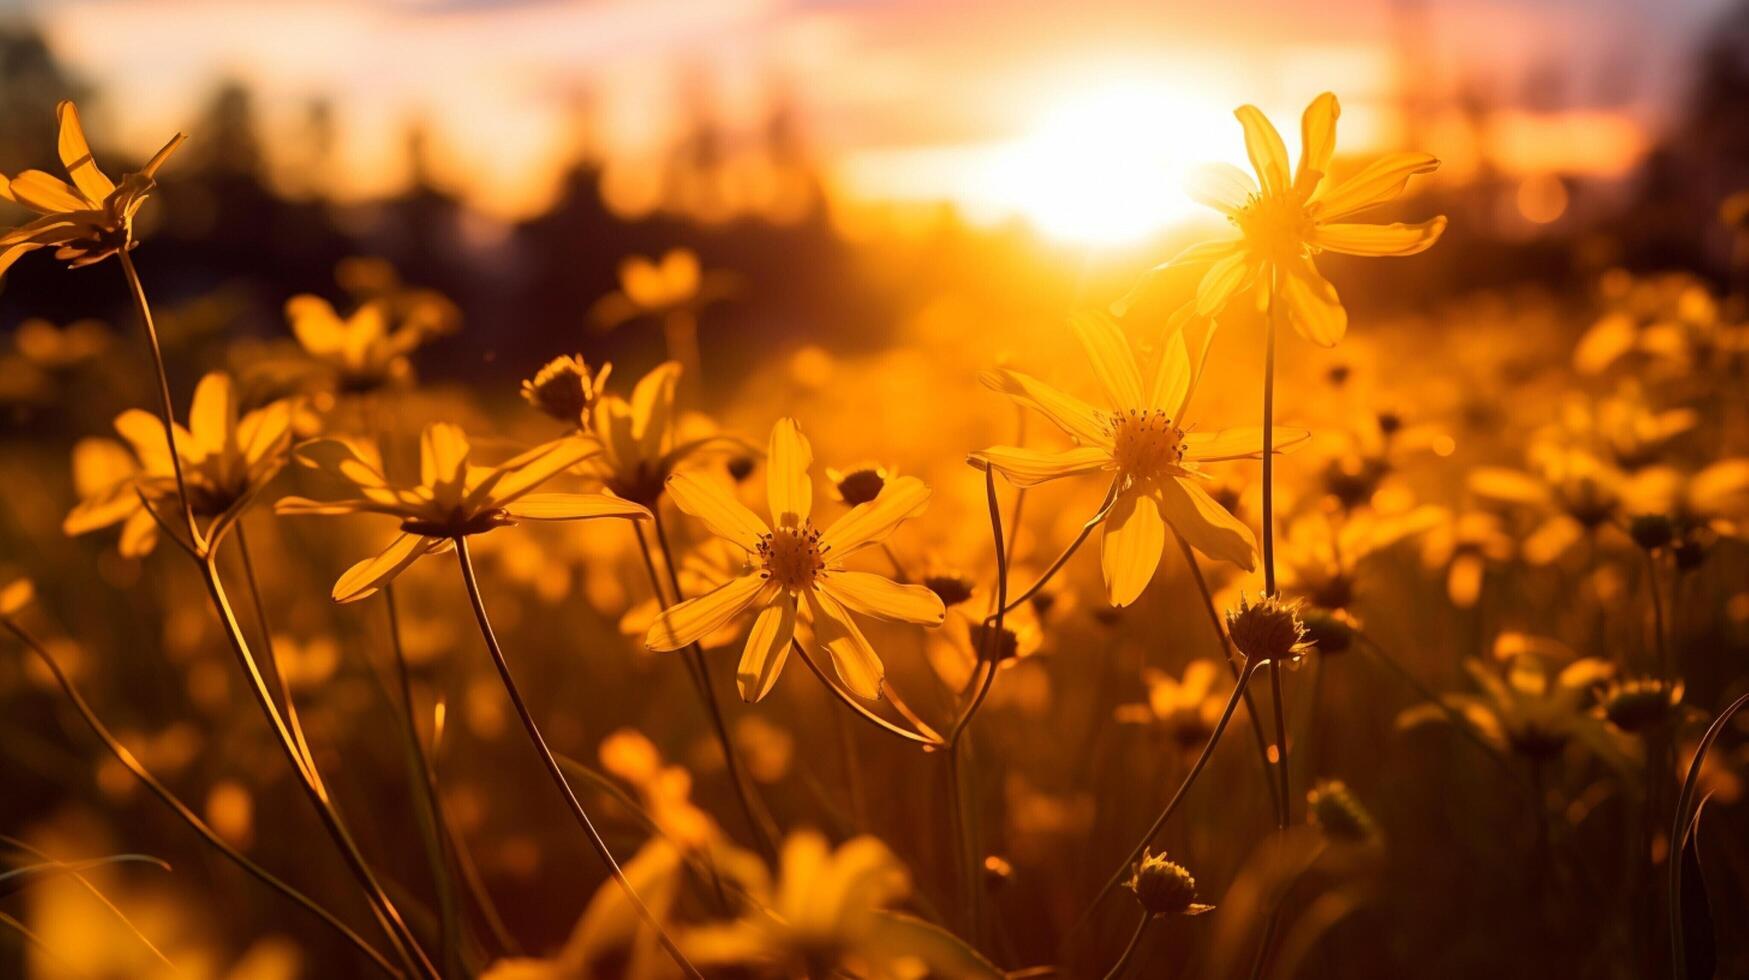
(858, 666)
(145, 433)
(788, 487)
(513, 479)
(1071, 414)
(653, 407)
(443, 461)
(76, 156)
(1317, 141)
(1375, 183)
(1226, 277)
(1030, 467)
(1264, 146)
(366, 577)
(1206, 524)
(869, 523)
(712, 503)
(1313, 307)
(1392, 239)
(212, 418)
(1221, 186)
(1113, 363)
(46, 193)
(1173, 378)
(573, 507)
(1130, 547)
(881, 597)
(686, 622)
(767, 648)
(1243, 442)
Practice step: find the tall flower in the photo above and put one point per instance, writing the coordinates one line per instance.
(454, 497)
(794, 566)
(1142, 438)
(1283, 224)
(640, 447)
(227, 457)
(88, 220)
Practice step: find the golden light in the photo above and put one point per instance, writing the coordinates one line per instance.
(1107, 166)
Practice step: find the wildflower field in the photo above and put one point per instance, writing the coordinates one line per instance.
(720, 570)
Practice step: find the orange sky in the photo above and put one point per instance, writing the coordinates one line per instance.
(994, 105)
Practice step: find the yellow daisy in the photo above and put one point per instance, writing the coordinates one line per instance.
(642, 440)
(453, 498)
(90, 219)
(795, 566)
(227, 457)
(1141, 438)
(1287, 221)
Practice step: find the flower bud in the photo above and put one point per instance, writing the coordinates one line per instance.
(1333, 809)
(565, 388)
(1164, 887)
(1268, 630)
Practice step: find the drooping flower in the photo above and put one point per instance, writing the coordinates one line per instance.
(1282, 225)
(86, 221)
(227, 457)
(1142, 438)
(454, 497)
(798, 569)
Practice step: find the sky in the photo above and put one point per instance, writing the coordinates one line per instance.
(1079, 117)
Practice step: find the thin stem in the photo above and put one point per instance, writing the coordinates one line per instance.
(426, 777)
(1208, 751)
(552, 764)
(1679, 830)
(1285, 813)
(270, 660)
(1129, 950)
(199, 826)
(760, 828)
(144, 309)
(1226, 642)
(855, 704)
(387, 915)
(1063, 558)
(1657, 616)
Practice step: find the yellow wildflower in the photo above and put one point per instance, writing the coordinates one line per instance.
(453, 498)
(364, 350)
(88, 220)
(227, 457)
(639, 444)
(1290, 219)
(798, 566)
(1142, 437)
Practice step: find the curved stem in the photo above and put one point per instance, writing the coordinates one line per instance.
(1208, 751)
(1063, 558)
(855, 704)
(1679, 828)
(1226, 642)
(1129, 950)
(270, 660)
(552, 764)
(199, 826)
(757, 820)
(387, 915)
(144, 309)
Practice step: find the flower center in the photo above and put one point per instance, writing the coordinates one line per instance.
(1276, 224)
(792, 556)
(1146, 443)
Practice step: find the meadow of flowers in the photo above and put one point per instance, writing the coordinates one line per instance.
(1203, 633)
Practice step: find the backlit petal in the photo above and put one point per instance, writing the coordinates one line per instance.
(1243, 442)
(712, 502)
(1376, 183)
(76, 157)
(573, 507)
(1264, 146)
(1224, 278)
(443, 459)
(1071, 414)
(1221, 186)
(1113, 363)
(689, 621)
(366, 577)
(767, 648)
(1206, 524)
(1030, 467)
(1393, 239)
(212, 419)
(46, 193)
(788, 487)
(1130, 548)
(870, 523)
(1172, 377)
(1317, 140)
(653, 408)
(856, 662)
(1313, 307)
(881, 597)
